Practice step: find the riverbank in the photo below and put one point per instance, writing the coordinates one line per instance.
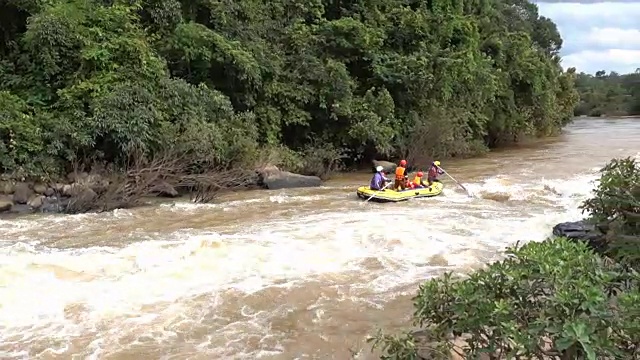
(84, 192)
(102, 191)
(17, 198)
(88, 192)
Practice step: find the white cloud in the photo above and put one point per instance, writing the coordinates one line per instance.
(622, 61)
(600, 39)
(614, 38)
(604, 14)
(597, 36)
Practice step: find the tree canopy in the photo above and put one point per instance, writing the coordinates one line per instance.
(222, 79)
(608, 94)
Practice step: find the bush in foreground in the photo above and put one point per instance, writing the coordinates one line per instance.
(615, 209)
(553, 300)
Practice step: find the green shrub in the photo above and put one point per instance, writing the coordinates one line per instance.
(321, 159)
(552, 300)
(615, 209)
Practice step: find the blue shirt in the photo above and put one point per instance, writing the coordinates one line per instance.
(377, 182)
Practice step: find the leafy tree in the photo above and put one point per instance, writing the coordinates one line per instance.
(615, 209)
(611, 94)
(343, 82)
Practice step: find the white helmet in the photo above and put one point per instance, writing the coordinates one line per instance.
(379, 168)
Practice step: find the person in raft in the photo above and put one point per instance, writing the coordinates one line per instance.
(378, 182)
(400, 182)
(434, 171)
(418, 182)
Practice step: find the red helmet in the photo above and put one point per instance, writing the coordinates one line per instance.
(403, 162)
(420, 174)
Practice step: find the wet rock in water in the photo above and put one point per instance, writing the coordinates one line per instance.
(54, 205)
(387, 166)
(22, 193)
(272, 178)
(36, 201)
(21, 209)
(5, 203)
(164, 189)
(581, 231)
(49, 192)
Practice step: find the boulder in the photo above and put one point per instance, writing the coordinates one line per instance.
(36, 201)
(22, 193)
(86, 195)
(6, 187)
(164, 189)
(49, 192)
(71, 189)
(582, 231)
(274, 180)
(387, 166)
(39, 188)
(5, 203)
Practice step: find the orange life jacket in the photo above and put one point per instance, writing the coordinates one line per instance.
(399, 173)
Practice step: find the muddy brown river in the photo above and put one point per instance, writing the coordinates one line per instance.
(290, 274)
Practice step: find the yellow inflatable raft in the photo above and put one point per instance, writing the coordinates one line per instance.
(386, 195)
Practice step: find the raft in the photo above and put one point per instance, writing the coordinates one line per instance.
(387, 195)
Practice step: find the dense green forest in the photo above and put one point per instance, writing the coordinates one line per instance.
(226, 81)
(612, 94)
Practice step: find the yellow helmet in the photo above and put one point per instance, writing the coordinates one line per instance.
(436, 163)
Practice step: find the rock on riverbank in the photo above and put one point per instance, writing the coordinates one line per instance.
(581, 231)
(272, 178)
(29, 197)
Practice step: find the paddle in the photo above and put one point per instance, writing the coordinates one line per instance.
(456, 181)
(384, 187)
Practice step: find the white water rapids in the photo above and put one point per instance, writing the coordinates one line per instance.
(291, 274)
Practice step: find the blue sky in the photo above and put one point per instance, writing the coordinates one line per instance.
(597, 35)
